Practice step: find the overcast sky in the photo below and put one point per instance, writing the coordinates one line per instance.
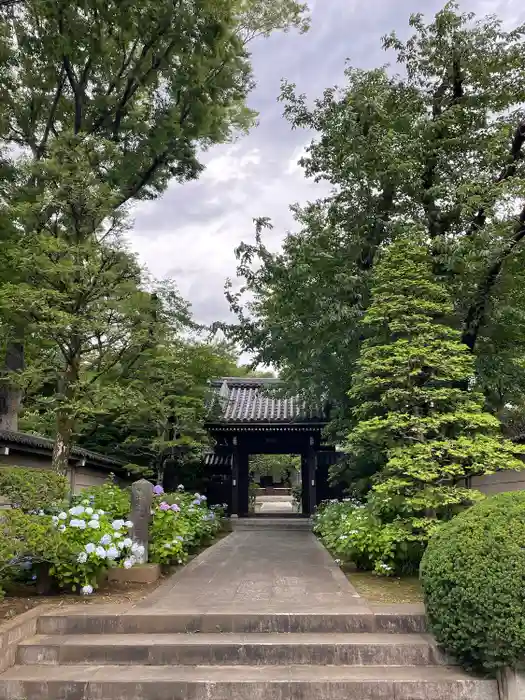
(190, 233)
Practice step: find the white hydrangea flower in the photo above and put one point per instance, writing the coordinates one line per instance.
(120, 545)
(100, 552)
(128, 523)
(62, 528)
(128, 564)
(81, 524)
(117, 535)
(105, 540)
(62, 516)
(95, 516)
(128, 542)
(90, 547)
(94, 524)
(87, 590)
(117, 524)
(112, 553)
(89, 511)
(82, 558)
(101, 512)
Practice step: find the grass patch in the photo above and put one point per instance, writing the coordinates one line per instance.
(380, 589)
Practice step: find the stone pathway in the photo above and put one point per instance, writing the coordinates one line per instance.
(259, 571)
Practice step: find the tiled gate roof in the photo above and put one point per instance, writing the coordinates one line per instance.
(254, 400)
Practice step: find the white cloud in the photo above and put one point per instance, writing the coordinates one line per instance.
(231, 165)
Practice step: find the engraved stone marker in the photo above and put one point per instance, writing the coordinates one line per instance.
(141, 500)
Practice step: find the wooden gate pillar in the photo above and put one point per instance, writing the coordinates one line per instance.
(235, 479)
(311, 485)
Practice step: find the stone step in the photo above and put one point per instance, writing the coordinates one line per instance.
(151, 622)
(242, 683)
(266, 523)
(232, 649)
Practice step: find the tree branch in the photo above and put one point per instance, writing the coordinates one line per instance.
(480, 218)
(51, 117)
(478, 309)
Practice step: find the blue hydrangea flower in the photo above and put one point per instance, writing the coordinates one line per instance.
(100, 552)
(105, 540)
(90, 547)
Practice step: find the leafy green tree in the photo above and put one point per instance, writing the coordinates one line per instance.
(119, 97)
(440, 147)
(421, 421)
(157, 426)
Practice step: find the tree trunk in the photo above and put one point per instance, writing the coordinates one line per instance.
(10, 394)
(65, 421)
(62, 446)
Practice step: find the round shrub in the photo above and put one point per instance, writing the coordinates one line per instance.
(473, 577)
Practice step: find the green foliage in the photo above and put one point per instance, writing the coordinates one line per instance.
(111, 498)
(472, 575)
(181, 523)
(32, 490)
(25, 540)
(158, 425)
(439, 147)
(279, 467)
(90, 541)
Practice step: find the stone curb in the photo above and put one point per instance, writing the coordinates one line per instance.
(17, 630)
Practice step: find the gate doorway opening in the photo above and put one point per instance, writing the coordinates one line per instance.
(275, 484)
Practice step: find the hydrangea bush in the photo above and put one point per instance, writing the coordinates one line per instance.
(90, 541)
(351, 532)
(109, 497)
(181, 522)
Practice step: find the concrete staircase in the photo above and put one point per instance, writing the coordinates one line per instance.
(143, 655)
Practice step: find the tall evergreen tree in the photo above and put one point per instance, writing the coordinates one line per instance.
(421, 427)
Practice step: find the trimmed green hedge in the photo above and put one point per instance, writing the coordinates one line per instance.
(473, 577)
(32, 490)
